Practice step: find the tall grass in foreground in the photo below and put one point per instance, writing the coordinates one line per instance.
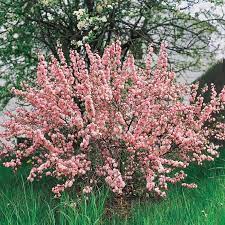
(22, 203)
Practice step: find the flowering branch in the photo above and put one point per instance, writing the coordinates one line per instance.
(112, 122)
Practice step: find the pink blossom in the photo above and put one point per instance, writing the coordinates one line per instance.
(87, 189)
(111, 122)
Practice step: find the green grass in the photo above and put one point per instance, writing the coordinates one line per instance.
(205, 205)
(22, 203)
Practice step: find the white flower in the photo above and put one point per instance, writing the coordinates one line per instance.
(45, 2)
(15, 36)
(90, 33)
(81, 24)
(109, 6)
(91, 20)
(79, 13)
(73, 42)
(104, 19)
(95, 28)
(99, 8)
(85, 38)
(60, 12)
(79, 43)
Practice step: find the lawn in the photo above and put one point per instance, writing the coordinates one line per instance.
(22, 203)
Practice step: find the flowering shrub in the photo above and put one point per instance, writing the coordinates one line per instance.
(112, 122)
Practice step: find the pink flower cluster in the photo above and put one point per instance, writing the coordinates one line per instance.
(110, 121)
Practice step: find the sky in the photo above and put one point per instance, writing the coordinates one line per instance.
(203, 9)
(206, 9)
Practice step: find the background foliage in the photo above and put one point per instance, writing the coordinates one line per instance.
(27, 27)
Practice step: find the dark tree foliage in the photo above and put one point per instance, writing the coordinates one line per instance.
(214, 75)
